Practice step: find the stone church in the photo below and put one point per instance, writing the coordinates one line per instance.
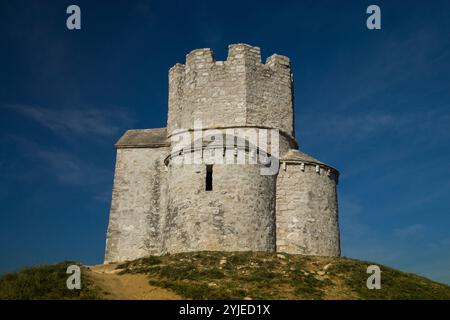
(171, 195)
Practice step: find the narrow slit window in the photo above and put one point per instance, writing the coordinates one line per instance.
(209, 173)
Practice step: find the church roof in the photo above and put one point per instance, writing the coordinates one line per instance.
(140, 138)
(294, 156)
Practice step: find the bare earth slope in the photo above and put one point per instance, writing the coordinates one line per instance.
(111, 285)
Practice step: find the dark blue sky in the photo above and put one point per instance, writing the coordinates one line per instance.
(375, 104)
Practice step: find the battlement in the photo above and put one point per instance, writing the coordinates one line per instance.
(240, 53)
(240, 91)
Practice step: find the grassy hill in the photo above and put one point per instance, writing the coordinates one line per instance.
(228, 275)
(45, 282)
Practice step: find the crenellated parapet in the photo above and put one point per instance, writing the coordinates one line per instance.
(240, 91)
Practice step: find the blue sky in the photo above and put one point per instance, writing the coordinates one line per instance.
(375, 104)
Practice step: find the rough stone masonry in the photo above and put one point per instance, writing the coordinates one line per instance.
(161, 206)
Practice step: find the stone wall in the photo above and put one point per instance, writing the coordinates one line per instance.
(233, 93)
(138, 204)
(238, 214)
(269, 96)
(307, 210)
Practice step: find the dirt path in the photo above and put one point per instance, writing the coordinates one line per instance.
(125, 287)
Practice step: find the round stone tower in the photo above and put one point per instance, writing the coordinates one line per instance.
(220, 206)
(306, 206)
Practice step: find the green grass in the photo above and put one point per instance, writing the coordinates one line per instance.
(46, 282)
(235, 275)
(258, 275)
(395, 285)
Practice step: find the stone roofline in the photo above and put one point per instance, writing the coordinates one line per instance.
(166, 143)
(192, 148)
(298, 157)
(311, 163)
(288, 136)
(142, 145)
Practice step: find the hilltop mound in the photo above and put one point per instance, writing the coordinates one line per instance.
(225, 275)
